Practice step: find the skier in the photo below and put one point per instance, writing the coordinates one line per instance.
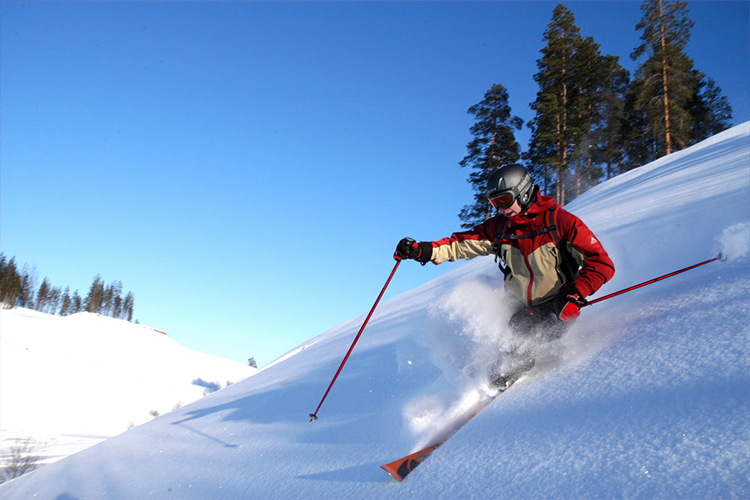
(550, 260)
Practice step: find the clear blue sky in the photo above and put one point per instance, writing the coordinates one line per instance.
(247, 168)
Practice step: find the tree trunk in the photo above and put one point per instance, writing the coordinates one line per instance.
(665, 80)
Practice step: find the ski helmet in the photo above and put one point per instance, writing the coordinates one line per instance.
(508, 184)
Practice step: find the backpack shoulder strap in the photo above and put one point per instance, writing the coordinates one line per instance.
(569, 266)
(499, 236)
(551, 216)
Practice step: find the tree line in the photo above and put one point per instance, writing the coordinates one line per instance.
(592, 119)
(18, 289)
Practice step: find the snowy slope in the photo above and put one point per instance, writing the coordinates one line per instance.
(646, 397)
(70, 382)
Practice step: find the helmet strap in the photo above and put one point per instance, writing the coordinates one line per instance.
(532, 198)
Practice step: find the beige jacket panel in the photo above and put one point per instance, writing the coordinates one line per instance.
(466, 249)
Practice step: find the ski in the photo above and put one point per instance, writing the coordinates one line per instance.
(399, 469)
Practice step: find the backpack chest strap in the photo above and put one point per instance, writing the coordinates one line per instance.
(549, 227)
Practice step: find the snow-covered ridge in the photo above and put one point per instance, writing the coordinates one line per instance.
(646, 397)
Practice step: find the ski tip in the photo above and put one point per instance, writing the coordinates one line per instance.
(402, 467)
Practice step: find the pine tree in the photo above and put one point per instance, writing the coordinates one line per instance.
(610, 133)
(107, 300)
(77, 303)
(639, 146)
(710, 110)
(28, 283)
(127, 306)
(95, 296)
(494, 146)
(43, 295)
(67, 303)
(600, 83)
(53, 301)
(10, 283)
(666, 79)
(555, 129)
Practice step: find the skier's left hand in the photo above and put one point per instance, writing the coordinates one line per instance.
(572, 302)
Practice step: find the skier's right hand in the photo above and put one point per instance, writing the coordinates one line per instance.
(407, 248)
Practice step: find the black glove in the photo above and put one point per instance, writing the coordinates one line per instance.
(407, 248)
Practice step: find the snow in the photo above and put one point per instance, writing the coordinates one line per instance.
(67, 383)
(647, 396)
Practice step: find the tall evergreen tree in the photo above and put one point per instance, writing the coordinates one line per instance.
(43, 295)
(610, 132)
(666, 79)
(53, 301)
(555, 129)
(600, 83)
(77, 303)
(67, 303)
(639, 146)
(494, 146)
(114, 307)
(95, 296)
(127, 306)
(580, 108)
(28, 283)
(10, 283)
(710, 110)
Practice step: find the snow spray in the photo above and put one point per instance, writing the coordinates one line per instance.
(734, 241)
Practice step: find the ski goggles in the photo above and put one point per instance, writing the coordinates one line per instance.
(503, 200)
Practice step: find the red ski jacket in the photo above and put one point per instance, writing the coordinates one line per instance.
(532, 261)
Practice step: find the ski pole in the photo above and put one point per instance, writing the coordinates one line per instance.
(314, 416)
(592, 302)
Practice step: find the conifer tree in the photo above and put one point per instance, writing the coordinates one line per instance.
(95, 296)
(555, 129)
(710, 110)
(127, 306)
(666, 78)
(600, 83)
(10, 283)
(107, 300)
(639, 146)
(494, 146)
(610, 133)
(67, 303)
(43, 295)
(53, 300)
(580, 111)
(28, 283)
(77, 303)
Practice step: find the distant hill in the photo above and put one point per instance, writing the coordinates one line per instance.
(68, 382)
